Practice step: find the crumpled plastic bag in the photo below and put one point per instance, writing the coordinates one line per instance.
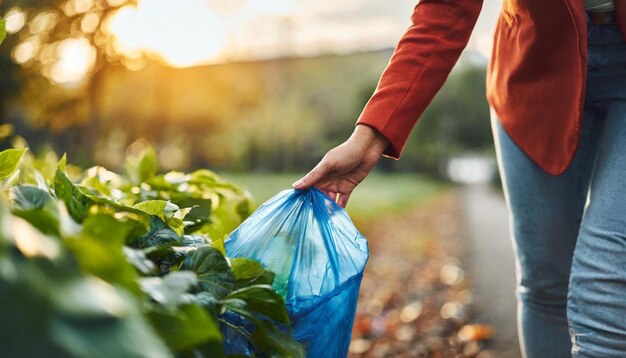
(318, 257)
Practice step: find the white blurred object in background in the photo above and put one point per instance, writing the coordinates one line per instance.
(471, 169)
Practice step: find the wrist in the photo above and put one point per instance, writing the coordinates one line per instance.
(369, 138)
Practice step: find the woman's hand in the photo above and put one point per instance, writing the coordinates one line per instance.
(345, 166)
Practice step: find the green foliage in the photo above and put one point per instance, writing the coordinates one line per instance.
(142, 167)
(214, 274)
(8, 161)
(127, 265)
(457, 121)
(3, 32)
(261, 299)
(76, 201)
(248, 272)
(190, 328)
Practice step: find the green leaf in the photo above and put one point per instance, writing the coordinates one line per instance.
(250, 272)
(101, 179)
(181, 213)
(213, 272)
(98, 250)
(9, 159)
(11, 180)
(47, 220)
(136, 221)
(77, 202)
(37, 207)
(166, 211)
(187, 328)
(143, 167)
(167, 290)
(275, 343)
(177, 225)
(153, 207)
(267, 337)
(89, 297)
(91, 317)
(244, 208)
(26, 197)
(148, 165)
(159, 234)
(132, 225)
(62, 162)
(262, 299)
(199, 211)
(225, 218)
(3, 32)
(138, 259)
(68, 314)
(101, 200)
(206, 177)
(108, 229)
(256, 303)
(23, 310)
(204, 299)
(176, 217)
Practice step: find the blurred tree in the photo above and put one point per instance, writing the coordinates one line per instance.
(53, 62)
(56, 49)
(456, 121)
(467, 105)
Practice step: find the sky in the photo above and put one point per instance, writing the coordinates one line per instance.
(192, 32)
(187, 33)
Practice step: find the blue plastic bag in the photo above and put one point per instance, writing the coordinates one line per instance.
(318, 257)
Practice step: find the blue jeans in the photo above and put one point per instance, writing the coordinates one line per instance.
(569, 231)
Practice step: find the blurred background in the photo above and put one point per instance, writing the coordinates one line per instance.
(238, 85)
(259, 90)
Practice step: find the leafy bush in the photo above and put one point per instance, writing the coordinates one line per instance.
(93, 263)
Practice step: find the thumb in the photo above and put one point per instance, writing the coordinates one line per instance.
(312, 177)
(343, 199)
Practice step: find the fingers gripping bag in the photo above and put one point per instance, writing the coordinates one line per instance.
(318, 257)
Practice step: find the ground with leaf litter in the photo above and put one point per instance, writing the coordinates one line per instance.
(415, 299)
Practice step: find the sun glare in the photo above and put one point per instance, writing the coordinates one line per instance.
(15, 20)
(76, 58)
(183, 33)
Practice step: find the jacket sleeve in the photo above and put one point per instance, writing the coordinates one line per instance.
(418, 68)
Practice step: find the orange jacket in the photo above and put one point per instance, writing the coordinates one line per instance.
(535, 82)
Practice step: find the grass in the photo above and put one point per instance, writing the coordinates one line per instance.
(379, 195)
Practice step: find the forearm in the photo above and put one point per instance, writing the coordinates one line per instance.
(418, 68)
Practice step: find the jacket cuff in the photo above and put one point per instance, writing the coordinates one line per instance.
(393, 150)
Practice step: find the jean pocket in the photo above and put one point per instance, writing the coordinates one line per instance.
(607, 35)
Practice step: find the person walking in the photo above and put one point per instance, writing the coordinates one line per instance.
(556, 86)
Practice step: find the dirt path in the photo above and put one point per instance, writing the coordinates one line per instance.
(490, 263)
(415, 299)
(439, 276)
